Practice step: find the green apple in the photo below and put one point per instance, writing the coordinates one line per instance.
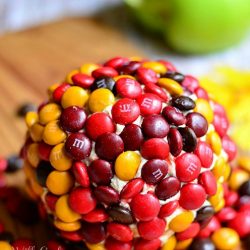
(195, 26)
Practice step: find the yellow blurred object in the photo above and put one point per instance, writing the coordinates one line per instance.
(237, 178)
(156, 66)
(170, 244)
(68, 78)
(99, 246)
(203, 107)
(171, 86)
(4, 245)
(244, 163)
(184, 244)
(231, 88)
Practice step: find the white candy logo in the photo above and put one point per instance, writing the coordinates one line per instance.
(78, 143)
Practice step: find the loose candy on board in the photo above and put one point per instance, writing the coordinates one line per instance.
(130, 149)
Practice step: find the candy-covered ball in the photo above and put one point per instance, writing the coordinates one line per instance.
(128, 154)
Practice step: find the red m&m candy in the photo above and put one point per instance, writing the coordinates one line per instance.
(81, 200)
(120, 232)
(145, 207)
(113, 244)
(155, 148)
(149, 104)
(104, 72)
(83, 80)
(81, 174)
(142, 244)
(205, 154)
(153, 229)
(98, 124)
(208, 181)
(188, 167)
(192, 196)
(125, 111)
(127, 87)
(132, 188)
(146, 76)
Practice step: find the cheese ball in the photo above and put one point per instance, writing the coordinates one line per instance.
(128, 154)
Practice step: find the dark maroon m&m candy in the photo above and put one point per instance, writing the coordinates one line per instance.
(155, 126)
(100, 172)
(167, 188)
(174, 116)
(183, 103)
(108, 146)
(73, 119)
(154, 171)
(130, 68)
(93, 232)
(132, 137)
(78, 146)
(188, 138)
(175, 141)
(198, 123)
(106, 194)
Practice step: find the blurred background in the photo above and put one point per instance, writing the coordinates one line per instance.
(191, 27)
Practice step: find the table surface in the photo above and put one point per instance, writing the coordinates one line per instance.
(32, 60)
